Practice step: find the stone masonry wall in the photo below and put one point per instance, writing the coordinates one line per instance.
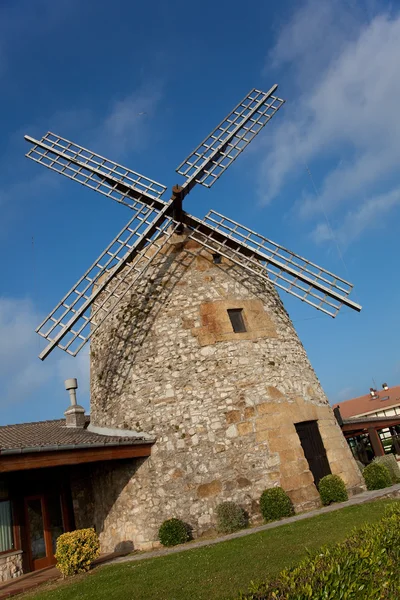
(221, 404)
(11, 565)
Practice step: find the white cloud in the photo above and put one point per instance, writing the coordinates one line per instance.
(368, 215)
(22, 374)
(126, 126)
(345, 121)
(315, 25)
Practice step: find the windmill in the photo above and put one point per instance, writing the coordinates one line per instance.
(90, 301)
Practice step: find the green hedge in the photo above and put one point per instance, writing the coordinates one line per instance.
(173, 532)
(275, 504)
(332, 489)
(230, 517)
(363, 567)
(376, 476)
(390, 462)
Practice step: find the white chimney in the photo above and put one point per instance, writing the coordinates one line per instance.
(385, 386)
(75, 414)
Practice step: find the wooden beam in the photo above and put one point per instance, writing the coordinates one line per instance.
(376, 442)
(40, 460)
(363, 426)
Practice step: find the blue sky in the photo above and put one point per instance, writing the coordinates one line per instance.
(89, 74)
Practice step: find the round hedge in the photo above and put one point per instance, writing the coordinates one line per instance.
(332, 489)
(230, 517)
(275, 504)
(173, 532)
(376, 476)
(390, 462)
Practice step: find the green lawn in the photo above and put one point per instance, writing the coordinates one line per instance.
(219, 571)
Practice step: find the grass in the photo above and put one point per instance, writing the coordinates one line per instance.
(219, 571)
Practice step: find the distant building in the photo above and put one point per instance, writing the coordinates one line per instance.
(371, 423)
(377, 403)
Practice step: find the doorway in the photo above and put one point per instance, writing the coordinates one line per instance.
(45, 523)
(314, 449)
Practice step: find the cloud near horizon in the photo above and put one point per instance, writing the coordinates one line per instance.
(21, 372)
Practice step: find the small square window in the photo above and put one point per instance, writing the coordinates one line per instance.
(217, 259)
(237, 321)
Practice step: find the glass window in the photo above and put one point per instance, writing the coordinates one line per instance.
(6, 529)
(237, 321)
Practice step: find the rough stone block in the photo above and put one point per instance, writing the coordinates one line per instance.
(249, 412)
(243, 482)
(245, 428)
(209, 489)
(274, 393)
(233, 416)
(262, 436)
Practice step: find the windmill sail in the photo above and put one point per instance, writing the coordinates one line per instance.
(74, 320)
(96, 172)
(288, 271)
(224, 144)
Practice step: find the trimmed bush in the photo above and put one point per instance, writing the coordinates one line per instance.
(275, 504)
(76, 550)
(173, 532)
(390, 462)
(230, 517)
(363, 567)
(332, 489)
(376, 476)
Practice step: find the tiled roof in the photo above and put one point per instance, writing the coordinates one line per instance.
(54, 435)
(366, 404)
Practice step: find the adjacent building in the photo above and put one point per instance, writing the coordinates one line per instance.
(371, 423)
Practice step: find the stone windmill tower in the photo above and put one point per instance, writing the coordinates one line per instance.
(191, 344)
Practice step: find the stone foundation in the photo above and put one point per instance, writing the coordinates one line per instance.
(10, 565)
(222, 405)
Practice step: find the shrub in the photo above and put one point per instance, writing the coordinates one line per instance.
(173, 532)
(363, 567)
(390, 462)
(332, 489)
(376, 476)
(275, 504)
(76, 551)
(230, 517)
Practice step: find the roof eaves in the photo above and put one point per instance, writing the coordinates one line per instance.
(61, 447)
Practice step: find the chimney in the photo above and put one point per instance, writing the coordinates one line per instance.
(385, 386)
(372, 392)
(75, 414)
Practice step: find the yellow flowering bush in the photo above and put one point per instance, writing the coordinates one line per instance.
(76, 550)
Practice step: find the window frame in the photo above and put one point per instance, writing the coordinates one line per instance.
(238, 313)
(14, 547)
(217, 258)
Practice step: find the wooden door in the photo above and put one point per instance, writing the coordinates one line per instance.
(44, 523)
(313, 448)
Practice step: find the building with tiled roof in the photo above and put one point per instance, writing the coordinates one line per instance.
(377, 403)
(55, 436)
(44, 466)
(371, 423)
